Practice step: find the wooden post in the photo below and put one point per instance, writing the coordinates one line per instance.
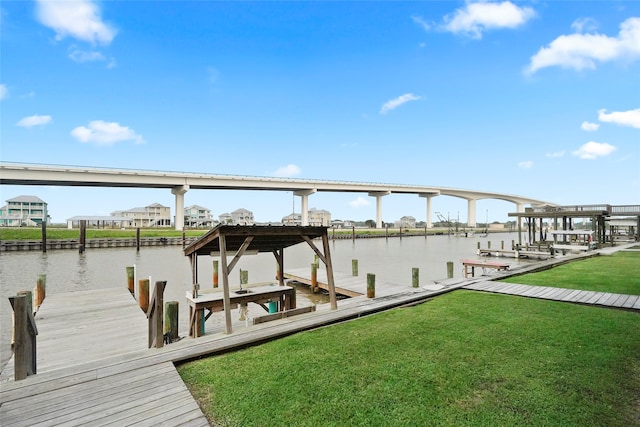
(354, 267)
(415, 277)
(502, 244)
(244, 277)
(155, 315)
(215, 273)
(138, 239)
(371, 285)
(131, 277)
(314, 277)
(44, 235)
(40, 291)
(143, 294)
(449, 269)
(353, 232)
(28, 300)
(83, 235)
(25, 338)
(488, 244)
(171, 320)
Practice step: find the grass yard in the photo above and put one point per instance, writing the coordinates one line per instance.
(617, 273)
(464, 358)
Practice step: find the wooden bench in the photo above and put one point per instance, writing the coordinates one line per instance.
(466, 263)
(283, 314)
(284, 296)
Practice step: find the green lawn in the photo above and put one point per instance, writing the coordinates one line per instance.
(465, 358)
(617, 273)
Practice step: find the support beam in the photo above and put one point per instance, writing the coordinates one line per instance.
(471, 212)
(304, 205)
(520, 209)
(379, 195)
(428, 196)
(179, 193)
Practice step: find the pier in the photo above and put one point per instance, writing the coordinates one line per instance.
(95, 367)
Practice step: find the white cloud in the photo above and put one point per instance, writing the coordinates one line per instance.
(623, 118)
(359, 202)
(35, 120)
(79, 19)
(420, 21)
(589, 127)
(477, 17)
(580, 51)
(525, 165)
(105, 133)
(4, 92)
(287, 171)
(555, 154)
(395, 103)
(79, 55)
(584, 24)
(592, 150)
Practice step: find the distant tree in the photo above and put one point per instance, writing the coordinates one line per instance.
(370, 223)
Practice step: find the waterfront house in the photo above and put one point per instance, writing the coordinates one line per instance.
(153, 215)
(238, 217)
(24, 211)
(197, 216)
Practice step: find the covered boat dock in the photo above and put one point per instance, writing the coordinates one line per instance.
(237, 240)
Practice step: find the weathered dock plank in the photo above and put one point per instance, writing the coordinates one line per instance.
(558, 294)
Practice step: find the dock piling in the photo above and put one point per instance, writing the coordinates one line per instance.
(371, 285)
(40, 291)
(143, 294)
(314, 278)
(450, 268)
(171, 310)
(215, 273)
(25, 338)
(131, 276)
(415, 274)
(354, 267)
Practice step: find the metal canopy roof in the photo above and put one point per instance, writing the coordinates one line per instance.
(266, 238)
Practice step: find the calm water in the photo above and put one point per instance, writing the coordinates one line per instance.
(389, 259)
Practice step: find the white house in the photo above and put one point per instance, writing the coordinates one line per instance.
(24, 211)
(154, 215)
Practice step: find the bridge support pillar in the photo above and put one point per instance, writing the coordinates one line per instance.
(471, 212)
(519, 208)
(304, 205)
(179, 193)
(428, 196)
(379, 195)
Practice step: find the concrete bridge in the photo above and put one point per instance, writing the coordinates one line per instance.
(180, 182)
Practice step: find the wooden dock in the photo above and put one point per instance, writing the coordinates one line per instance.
(81, 338)
(604, 299)
(346, 285)
(94, 367)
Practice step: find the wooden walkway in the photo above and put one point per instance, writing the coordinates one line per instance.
(94, 367)
(605, 299)
(347, 285)
(80, 335)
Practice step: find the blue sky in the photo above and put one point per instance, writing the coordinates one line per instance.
(539, 99)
